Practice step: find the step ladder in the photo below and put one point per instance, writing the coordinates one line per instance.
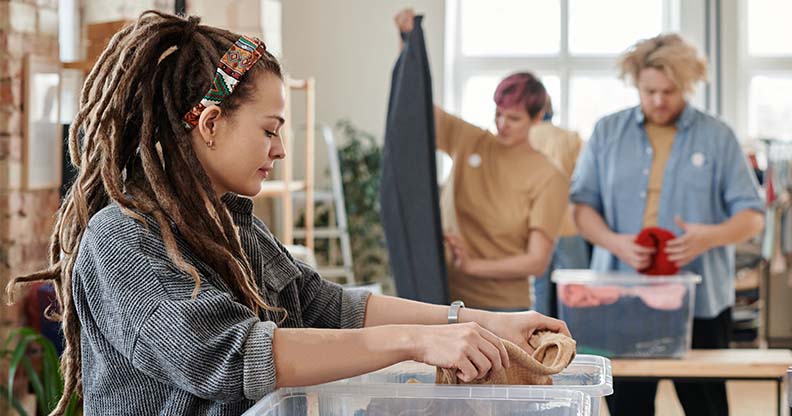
(338, 228)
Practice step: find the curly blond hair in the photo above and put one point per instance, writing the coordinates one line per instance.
(669, 53)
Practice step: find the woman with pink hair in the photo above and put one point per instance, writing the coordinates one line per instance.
(504, 202)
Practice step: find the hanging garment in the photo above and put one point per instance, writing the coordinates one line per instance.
(552, 354)
(408, 188)
(786, 230)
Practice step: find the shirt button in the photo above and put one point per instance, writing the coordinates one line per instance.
(643, 194)
(648, 150)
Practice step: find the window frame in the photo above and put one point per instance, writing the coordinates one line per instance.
(459, 68)
(740, 67)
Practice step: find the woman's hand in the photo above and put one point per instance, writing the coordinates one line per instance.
(470, 349)
(404, 20)
(459, 250)
(518, 327)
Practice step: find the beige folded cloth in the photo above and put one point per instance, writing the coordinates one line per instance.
(552, 354)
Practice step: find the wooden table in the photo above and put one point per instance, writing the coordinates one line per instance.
(710, 365)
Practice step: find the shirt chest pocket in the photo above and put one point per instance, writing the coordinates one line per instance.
(278, 273)
(697, 172)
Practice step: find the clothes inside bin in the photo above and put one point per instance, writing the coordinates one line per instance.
(662, 297)
(462, 407)
(630, 328)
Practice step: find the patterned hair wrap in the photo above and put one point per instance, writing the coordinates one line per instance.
(237, 60)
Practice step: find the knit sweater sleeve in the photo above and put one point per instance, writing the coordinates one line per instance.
(210, 345)
(324, 304)
(329, 305)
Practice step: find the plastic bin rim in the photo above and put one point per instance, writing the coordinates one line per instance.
(789, 386)
(604, 386)
(427, 391)
(564, 276)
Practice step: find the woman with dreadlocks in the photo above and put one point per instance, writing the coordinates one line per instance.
(175, 299)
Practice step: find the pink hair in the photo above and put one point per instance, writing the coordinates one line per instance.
(522, 89)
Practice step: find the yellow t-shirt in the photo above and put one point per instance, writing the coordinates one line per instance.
(500, 195)
(562, 147)
(662, 139)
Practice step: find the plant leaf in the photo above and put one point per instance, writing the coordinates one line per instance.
(14, 402)
(72, 408)
(19, 352)
(35, 382)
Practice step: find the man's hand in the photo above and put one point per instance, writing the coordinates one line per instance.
(698, 238)
(631, 253)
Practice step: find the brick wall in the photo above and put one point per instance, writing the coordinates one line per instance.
(26, 217)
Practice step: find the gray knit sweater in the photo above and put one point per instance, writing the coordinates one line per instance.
(148, 348)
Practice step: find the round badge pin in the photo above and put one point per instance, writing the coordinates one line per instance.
(697, 159)
(474, 160)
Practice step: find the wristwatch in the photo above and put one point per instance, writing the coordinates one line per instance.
(453, 311)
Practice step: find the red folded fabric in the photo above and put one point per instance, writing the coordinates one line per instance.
(657, 238)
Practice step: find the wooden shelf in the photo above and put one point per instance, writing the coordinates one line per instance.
(277, 188)
(297, 84)
(731, 363)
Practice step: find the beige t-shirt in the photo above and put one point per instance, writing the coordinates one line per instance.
(562, 147)
(500, 194)
(662, 139)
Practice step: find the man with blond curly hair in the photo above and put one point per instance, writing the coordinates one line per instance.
(667, 164)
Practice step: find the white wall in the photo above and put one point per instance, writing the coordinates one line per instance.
(260, 18)
(350, 47)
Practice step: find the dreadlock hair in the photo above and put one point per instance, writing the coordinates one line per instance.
(131, 148)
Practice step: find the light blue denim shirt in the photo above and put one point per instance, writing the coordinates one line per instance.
(706, 180)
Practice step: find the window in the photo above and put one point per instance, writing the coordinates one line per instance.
(767, 69)
(768, 28)
(588, 100)
(481, 112)
(501, 28)
(572, 45)
(594, 29)
(770, 106)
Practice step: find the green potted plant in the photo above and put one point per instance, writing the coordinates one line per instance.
(46, 382)
(360, 159)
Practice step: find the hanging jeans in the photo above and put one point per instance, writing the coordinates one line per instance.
(408, 188)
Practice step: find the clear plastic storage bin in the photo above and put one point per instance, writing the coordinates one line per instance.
(789, 389)
(420, 399)
(588, 374)
(625, 314)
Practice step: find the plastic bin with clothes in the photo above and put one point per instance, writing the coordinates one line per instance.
(588, 374)
(421, 399)
(789, 389)
(621, 314)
